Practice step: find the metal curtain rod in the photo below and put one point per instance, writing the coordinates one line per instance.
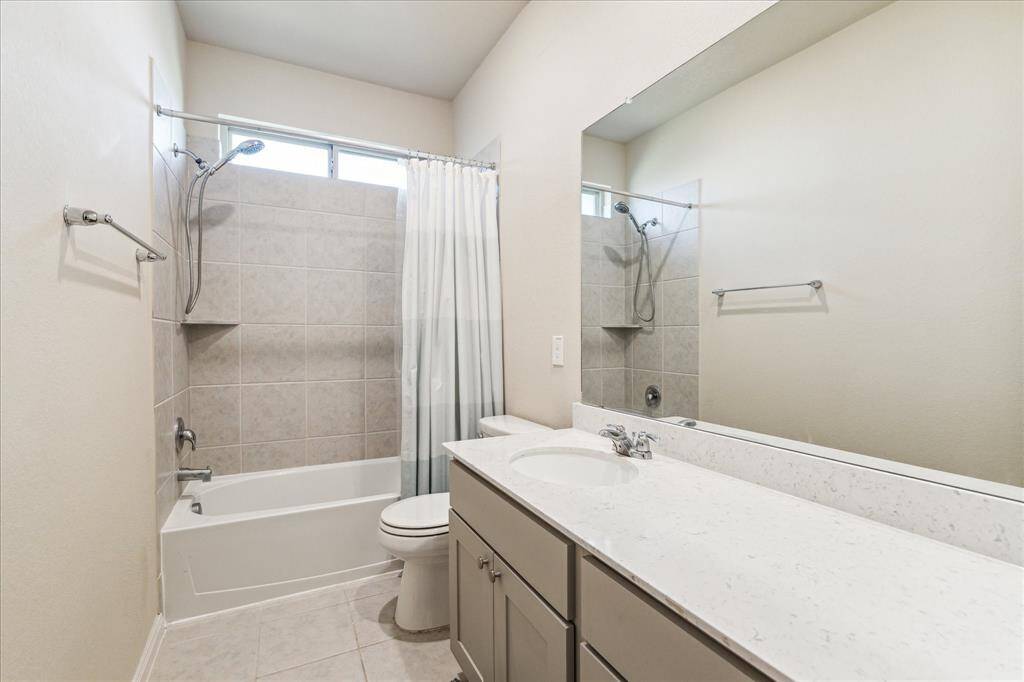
(87, 217)
(648, 197)
(814, 283)
(348, 143)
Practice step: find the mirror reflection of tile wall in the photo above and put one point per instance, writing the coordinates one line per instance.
(622, 354)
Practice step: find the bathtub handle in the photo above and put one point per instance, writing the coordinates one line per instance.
(482, 561)
(494, 575)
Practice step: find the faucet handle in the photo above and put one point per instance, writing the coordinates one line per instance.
(642, 442)
(614, 430)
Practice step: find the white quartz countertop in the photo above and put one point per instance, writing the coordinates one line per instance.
(800, 590)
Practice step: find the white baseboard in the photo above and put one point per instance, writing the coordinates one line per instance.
(156, 635)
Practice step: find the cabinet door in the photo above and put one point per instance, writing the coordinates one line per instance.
(531, 641)
(470, 600)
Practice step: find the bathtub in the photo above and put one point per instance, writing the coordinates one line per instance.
(273, 533)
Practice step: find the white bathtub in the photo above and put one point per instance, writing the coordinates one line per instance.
(273, 533)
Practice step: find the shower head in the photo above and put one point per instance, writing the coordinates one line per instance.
(622, 207)
(247, 147)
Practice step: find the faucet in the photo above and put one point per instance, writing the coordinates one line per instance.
(638, 447)
(186, 474)
(181, 435)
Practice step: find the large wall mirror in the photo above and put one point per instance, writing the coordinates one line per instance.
(810, 235)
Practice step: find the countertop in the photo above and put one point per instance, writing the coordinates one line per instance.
(798, 589)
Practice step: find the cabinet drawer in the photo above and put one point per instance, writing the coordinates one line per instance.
(642, 639)
(535, 551)
(593, 669)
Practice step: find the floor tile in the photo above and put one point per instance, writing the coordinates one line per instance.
(225, 656)
(374, 586)
(341, 668)
(374, 621)
(303, 602)
(398, 661)
(303, 638)
(241, 620)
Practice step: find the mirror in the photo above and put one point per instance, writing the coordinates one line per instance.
(847, 281)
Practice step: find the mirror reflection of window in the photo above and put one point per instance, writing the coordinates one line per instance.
(595, 202)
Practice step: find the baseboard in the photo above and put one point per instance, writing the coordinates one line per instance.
(156, 635)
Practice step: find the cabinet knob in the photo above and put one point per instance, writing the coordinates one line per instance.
(494, 575)
(482, 561)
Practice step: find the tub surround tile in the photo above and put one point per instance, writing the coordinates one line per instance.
(347, 667)
(166, 197)
(223, 460)
(381, 255)
(214, 353)
(382, 344)
(273, 412)
(380, 202)
(382, 444)
(336, 242)
(592, 386)
(681, 350)
(221, 235)
(166, 459)
(273, 188)
(273, 353)
(163, 361)
(273, 236)
(219, 298)
(277, 455)
(382, 398)
(381, 299)
(335, 449)
(306, 637)
(680, 395)
(179, 358)
(591, 306)
(273, 295)
(215, 413)
(165, 286)
(680, 302)
(334, 352)
(336, 408)
(336, 196)
(336, 297)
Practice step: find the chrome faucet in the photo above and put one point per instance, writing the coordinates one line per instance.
(181, 435)
(204, 475)
(638, 447)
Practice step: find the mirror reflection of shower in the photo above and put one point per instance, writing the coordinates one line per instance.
(202, 176)
(644, 260)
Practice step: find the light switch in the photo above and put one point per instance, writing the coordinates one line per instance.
(557, 351)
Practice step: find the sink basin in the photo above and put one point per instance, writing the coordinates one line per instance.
(576, 467)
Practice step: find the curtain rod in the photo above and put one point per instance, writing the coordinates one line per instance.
(348, 143)
(648, 197)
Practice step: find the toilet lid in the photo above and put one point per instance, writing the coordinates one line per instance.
(417, 513)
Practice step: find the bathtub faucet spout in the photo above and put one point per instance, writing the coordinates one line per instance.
(204, 475)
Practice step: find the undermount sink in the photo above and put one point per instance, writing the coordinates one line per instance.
(577, 467)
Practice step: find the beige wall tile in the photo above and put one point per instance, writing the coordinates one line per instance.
(214, 354)
(215, 412)
(334, 352)
(273, 353)
(336, 241)
(272, 412)
(679, 302)
(592, 386)
(381, 299)
(219, 297)
(272, 188)
(381, 202)
(682, 348)
(614, 391)
(335, 449)
(220, 230)
(613, 347)
(336, 408)
(382, 444)
(223, 460)
(264, 456)
(163, 360)
(273, 236)
(336, 297)
(382, 398)
(591, 305)
(646, 348)
(165, 284)
(336, 196)
(680, 395)
(163, 421)
(179, 358)
(380, 245)
(166, 195)
(382, 344)
(273, 295)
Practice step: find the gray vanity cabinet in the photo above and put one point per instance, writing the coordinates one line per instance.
(470, 600)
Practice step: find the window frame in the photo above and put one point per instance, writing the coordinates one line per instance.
(602, 200)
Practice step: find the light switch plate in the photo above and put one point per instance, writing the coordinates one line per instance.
(557, 351)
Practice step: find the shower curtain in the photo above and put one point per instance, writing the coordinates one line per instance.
(451, 316)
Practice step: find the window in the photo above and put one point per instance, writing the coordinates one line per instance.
(374, 170)
(595, 202)
(281, 153)
(324, 160)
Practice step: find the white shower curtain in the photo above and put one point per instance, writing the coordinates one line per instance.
(451, 316)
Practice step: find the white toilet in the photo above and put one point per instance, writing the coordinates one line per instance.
(416, 531)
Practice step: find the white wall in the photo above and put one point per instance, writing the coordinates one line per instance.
(221, 81)
(893, 174)
(560, 67)
(77, 468)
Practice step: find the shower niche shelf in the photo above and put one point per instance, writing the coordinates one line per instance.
(621, 326)
(207, 323)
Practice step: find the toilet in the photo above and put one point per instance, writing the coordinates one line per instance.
(416, 531)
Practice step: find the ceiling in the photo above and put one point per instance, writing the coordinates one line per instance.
(430, 47)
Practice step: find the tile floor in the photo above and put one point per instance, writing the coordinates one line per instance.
(345, 632)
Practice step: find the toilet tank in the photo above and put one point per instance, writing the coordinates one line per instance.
(507, 425)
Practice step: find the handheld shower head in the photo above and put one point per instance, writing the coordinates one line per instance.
(622, 207)
(247, 147)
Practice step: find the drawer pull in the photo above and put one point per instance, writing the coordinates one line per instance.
(494, 575)
(482, 561)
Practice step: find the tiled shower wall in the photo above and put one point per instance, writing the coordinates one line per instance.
(301, 286)
(619, 364)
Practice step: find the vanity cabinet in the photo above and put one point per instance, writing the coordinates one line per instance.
(527, 605)
(501, 629)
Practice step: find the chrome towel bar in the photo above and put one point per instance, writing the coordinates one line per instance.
(814, 283)
(87, 217)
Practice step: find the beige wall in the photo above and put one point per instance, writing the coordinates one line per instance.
(603, 161)
(77, 496)
(560, 67)
(894, 175)
(221, 81)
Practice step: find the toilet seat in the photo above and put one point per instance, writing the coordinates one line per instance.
(414, 517)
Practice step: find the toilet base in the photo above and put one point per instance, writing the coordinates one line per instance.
(423, 595)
